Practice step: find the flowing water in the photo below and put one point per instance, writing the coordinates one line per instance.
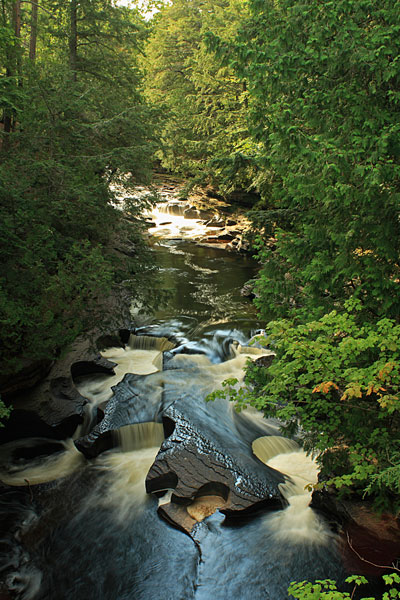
(90, 531)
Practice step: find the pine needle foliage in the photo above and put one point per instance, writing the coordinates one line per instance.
(323, 81)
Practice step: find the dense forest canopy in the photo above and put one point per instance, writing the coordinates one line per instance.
(296, 100)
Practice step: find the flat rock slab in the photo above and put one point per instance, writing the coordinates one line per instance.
(207, 453)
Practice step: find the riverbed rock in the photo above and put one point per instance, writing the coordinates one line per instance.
(247, 290)
(205, 454)
(216, 222)
(53, 408)
(265, 361)
(192, 213)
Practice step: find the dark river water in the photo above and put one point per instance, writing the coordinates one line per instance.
(86, 529)
(204, 286)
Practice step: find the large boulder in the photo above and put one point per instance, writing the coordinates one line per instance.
(208, 453)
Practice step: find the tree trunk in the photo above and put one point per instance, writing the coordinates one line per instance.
(33, 36)
(12, 68)
(17, 18)
(73, 39)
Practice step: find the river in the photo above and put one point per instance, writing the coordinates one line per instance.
(84, 528)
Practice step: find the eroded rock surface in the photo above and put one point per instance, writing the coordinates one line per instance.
(54, 407)
(208, 452)
(216, 458)
(136, 399)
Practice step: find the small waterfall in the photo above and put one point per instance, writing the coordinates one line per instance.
(269, 446)
(142, 356)
(173, 207)
(127, 469)
(178, 220)
(125, 474)
(139, 436)
(298, 522)
(149, 343)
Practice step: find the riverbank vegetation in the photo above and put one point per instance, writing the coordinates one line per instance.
(296, 101)
(74, 125)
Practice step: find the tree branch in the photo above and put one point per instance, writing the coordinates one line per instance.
(38, 5)
(368, 561)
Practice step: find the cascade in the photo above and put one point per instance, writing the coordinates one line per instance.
(142, 356)
(140, 436)
(267, 447)
(173, 207)
(125, 473)
(298, 522)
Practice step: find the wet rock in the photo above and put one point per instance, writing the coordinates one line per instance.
(219, 223)
(112, 341)
(89, 367)
(192, 213)
(226, 236)
(205, 454)
(205, 214)
(187, 517)
(265, 361)
(178, 516)
(54, 407)
(243, 245)
(30, 375)
(234, 232)
(217, 239)
(56, 417)
(66, 407)
(247, 291)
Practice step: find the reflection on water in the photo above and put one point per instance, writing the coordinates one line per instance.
(204, 285)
